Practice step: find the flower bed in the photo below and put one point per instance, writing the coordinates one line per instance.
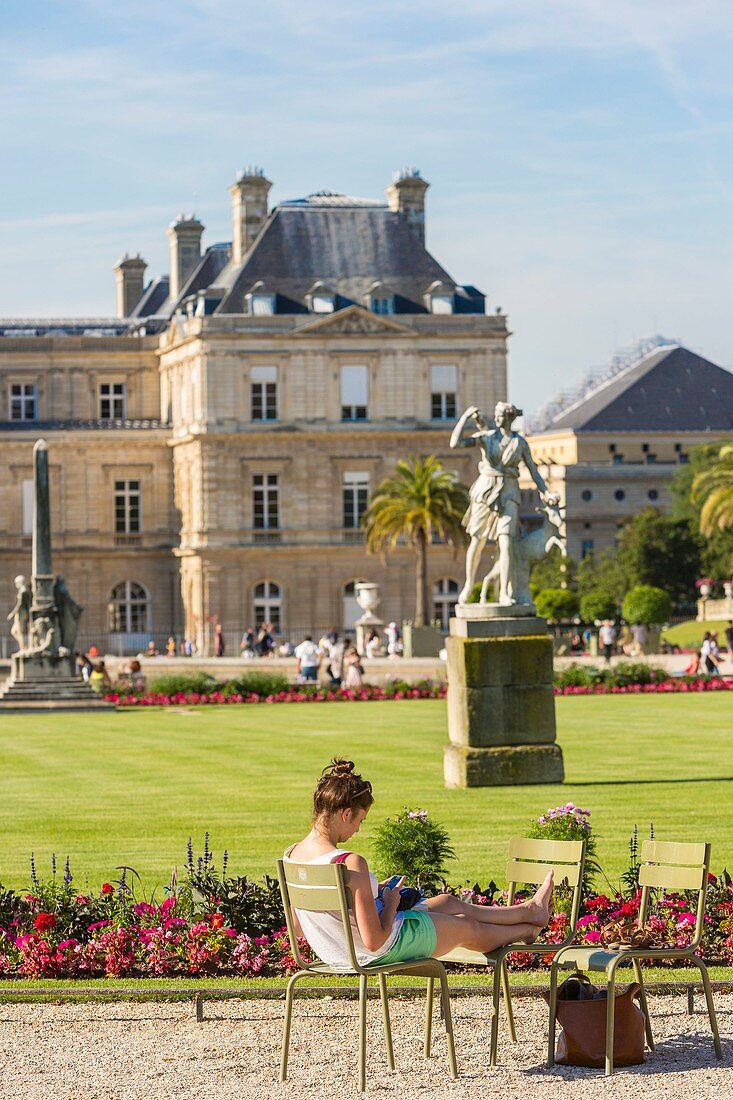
(367, 693)
(663, 687)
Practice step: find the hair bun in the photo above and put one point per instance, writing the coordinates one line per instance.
(339, 767)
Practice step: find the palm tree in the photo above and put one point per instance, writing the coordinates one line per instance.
(419, 500)
(714, 489)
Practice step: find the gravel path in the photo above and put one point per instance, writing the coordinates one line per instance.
(155, 1051)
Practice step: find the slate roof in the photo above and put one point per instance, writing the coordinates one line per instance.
(671, 389)
(345, 243)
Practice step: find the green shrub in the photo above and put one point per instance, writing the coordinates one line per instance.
(577, 676)
(647, 604)
(256, 683)
(248, 906)
(569, 822)
(556, 603)
(412, 845)
(186, 682)
(597, 604)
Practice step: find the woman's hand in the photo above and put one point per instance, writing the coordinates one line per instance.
(390, 900)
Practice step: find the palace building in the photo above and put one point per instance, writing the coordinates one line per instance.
(214, 446)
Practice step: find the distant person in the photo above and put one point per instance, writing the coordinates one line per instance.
(152, 650)
(170, 646)
(576, 647)
(607, 638)
(353, 669)
(626, 640)
(83, 666)
(188, 647)
(709, 654)
(638, 633)
(308, 660)
(265, 643)
(693, 667)
(247, 644)
(219, 643)
(93, 652)
(373, 645)
(729, 639)
(336, 665)
(99, 680)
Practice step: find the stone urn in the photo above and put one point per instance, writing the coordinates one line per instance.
(728, 589)
(367, 597)
(705, 590)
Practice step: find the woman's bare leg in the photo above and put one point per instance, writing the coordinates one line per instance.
(536, 911)
(473, 554)
(461, 931)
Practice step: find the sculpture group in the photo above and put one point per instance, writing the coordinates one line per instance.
(493, 510)
(52, 633)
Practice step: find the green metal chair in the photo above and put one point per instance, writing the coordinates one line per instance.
(664, 865)
(529, 862)
(322, 887)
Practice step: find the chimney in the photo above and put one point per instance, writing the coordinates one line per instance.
(249, 209)
(184, 237)
(130, 277)
(406, 196)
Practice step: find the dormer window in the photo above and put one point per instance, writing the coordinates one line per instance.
(440, 298)
(259, 301)
(321, 299)
(380, 299)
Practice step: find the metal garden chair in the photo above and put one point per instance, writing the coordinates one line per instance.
(529, 862)
(325, 887)
(664, 865)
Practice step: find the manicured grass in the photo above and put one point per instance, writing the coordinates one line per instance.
(130, 787)
(689, 635)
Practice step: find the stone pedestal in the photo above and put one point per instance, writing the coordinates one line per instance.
(42, 683)
(501, 709)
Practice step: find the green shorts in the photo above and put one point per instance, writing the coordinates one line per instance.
(417, 939)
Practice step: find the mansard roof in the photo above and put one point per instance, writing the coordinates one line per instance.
(671, 389)
(345, 243)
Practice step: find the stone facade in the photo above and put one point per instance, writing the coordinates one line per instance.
(208, 465)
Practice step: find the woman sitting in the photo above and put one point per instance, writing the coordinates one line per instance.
(341, 802)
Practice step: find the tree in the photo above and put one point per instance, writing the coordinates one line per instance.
(419, 501)
(602, 572)
(647, 604)
(716, 550)
(597, 604)
(555, 570)
(556, 603)
(712, 489)
(659, 550)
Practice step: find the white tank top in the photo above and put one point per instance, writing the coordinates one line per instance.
(325, 931)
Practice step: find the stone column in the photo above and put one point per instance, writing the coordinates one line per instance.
(41, 569)
(501, 708)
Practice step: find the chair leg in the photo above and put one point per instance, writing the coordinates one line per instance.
(495, 994)
(610, 1020)
(429, 1017)
(690, 1001)
(385, 1017)
(448, 1015)
(553, 1010)
(362, 1031)
(508, 1000)
(711, 1006)
(286, 1027)
(639, 975)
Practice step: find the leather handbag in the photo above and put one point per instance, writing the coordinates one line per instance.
(581, 1013)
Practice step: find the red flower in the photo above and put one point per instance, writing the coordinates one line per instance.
(217, 920)
(107, 888)
(44, 922)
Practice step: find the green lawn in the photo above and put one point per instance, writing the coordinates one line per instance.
(130, 787)
(689, 635)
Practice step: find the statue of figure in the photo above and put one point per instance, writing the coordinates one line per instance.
(44, 639)
(21, 613)
(494, 500)
(69, 613)
(530, 548)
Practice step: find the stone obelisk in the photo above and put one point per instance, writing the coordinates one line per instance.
(41, 571)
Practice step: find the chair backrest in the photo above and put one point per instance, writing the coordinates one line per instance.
(678, 867)
(531, 860)
(316, 888)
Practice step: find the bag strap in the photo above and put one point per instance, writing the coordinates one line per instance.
(342, 857)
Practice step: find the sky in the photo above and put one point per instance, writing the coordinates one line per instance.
(579, 151)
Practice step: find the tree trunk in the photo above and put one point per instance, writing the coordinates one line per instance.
(421, 577)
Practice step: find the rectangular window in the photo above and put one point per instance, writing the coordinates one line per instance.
(23, 401)
(264, 393)
(27, 506)
(262, 305)
(443, 392)
(112, 401)
(127, 508)
(355, 497)
(265, 502)
(354, 393)
(383, 306)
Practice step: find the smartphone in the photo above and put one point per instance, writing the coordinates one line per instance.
(392, 882)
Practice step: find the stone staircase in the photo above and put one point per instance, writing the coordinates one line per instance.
(60, 693)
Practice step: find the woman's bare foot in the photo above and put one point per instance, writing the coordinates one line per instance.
(539, 907)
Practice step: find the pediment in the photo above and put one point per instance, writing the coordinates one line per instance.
(352, 321)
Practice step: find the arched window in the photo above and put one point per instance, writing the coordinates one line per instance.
(445, 598)
(268, 604)
(129, 609)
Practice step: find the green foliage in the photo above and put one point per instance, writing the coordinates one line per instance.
(597, 604)
(175, 683)
(603, 572)
(556, 604)
(555, 570)
(659, 550)
(475, 594)
(621, 675)
(647, 604)
(716, 550)
(256, 683)
(568, 822)
(412, 845)
(248, 906)
(630, 877)
(712, 490)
